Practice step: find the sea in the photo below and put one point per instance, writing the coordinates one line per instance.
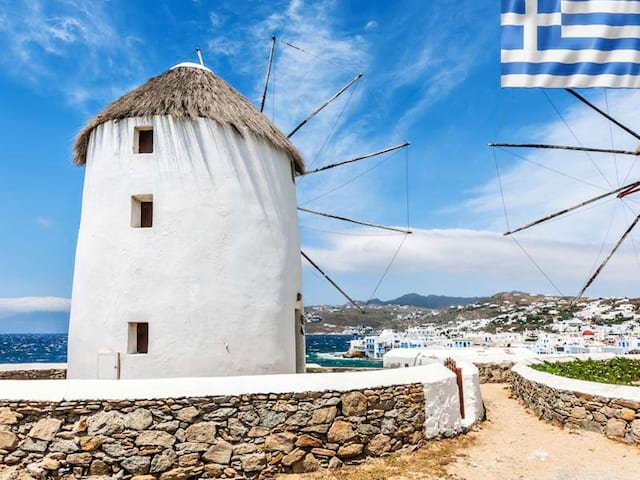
(324, 350)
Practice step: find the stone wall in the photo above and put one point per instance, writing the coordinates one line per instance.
(617, 418)
(34, 374)
(238, 436)
(494, 372)
(312, 369)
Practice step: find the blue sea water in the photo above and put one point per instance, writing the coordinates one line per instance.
(327, 350)
(324, 350)
(33, 348)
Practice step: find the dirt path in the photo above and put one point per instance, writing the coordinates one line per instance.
(514, 444)
(511, 445)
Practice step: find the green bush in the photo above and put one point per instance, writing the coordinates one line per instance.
(619, 371)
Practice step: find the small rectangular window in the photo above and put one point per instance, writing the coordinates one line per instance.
(142, 211)
(138, 341)
(146, 214)
(143, 138)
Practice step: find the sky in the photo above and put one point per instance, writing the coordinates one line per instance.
(431, 77)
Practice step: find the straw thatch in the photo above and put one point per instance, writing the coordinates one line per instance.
(187, 92)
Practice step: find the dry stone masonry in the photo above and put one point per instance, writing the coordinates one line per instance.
(494, 372)
(241, 436)
(33, 374)
(617, 418)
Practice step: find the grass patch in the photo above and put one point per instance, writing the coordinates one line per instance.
(618, 371)
(427, 463)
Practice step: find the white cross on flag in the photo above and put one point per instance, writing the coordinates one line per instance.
(570, 43)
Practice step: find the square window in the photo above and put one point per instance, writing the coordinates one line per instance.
(142, 211)
(143, 140)
(138, 338)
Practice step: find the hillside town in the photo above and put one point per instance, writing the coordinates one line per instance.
(541, 324)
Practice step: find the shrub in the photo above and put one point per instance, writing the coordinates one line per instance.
(619, 370)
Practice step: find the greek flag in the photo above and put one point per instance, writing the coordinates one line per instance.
(570, 43)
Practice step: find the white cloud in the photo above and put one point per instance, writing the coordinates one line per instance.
(532, 191)
(44, 222)
(20, 305)
(301, 81)
(215, 19)
(222, 46)
(454, 44)
(479, 260)
(371, 25)
(472, 260)
(66, 47)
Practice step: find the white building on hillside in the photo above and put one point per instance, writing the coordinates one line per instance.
(188, 255)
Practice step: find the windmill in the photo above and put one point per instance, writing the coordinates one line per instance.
(188, 253)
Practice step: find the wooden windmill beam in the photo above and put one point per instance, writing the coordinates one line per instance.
(328, 279)
(268, 74)
(604, 114)
(358, 222)
(564, 147)
(626, 189)
(606, 260)
(325, 104)
(361, 157)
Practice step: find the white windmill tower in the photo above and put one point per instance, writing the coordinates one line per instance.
(188, 255)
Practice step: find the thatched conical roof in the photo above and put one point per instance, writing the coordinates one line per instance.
(190, 91)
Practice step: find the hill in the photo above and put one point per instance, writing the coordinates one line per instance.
(429, 301)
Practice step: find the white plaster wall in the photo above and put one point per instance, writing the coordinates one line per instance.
(79, 389)
(580, 386)
(473, 404)
(398, 357)
(442, 404)
(16, 367)
(216, 277)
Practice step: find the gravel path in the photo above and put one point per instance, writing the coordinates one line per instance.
(511, 445)
(515, 445)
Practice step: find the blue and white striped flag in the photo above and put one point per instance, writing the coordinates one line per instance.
(570, 43)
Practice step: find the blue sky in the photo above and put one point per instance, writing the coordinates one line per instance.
(431, 76)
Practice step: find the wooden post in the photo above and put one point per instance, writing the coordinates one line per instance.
(321, 107)
(337, 287)
(450, 363)
(564, 147)
(604, 114)
(606, 260)
(358, 222)
(266, 80)
(626, 188)
(361, 157)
